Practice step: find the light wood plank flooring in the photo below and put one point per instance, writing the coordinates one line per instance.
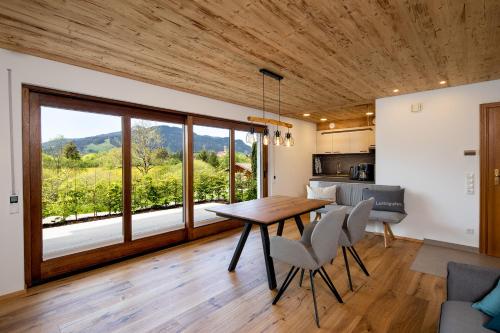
(188, 288)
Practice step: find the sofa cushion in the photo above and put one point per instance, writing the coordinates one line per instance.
(490, 304)
(460, 317)
(323, 193)
(389, 217)
(375, 215)
(385, 200)
(493, 324)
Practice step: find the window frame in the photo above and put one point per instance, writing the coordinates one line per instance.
(38, 270)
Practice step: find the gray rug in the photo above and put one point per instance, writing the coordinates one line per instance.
(433, 260)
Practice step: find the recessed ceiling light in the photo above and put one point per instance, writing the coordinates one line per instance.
(306, 114)
(442, 82)
(395, 90)
(369, 113)
(323, 119)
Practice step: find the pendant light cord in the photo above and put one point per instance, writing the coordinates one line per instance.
(279, 102)
(263, 98)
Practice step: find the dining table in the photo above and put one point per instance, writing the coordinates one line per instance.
(264, 212)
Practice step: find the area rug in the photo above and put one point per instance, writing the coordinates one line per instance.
(433, 259)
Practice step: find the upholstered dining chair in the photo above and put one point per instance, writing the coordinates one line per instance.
(353, 231)
(317, 247)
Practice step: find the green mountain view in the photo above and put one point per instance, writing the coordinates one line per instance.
(171, 136)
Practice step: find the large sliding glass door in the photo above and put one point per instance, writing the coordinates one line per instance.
(157, 177)
(81, 181)
(105, 180)
(211, 165)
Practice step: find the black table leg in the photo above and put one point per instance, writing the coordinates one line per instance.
(239, 247)
(271, 277)
(299, 223)
(281, 224)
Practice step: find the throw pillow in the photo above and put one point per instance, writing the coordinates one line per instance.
(387, 200)
(493, 324)
(322, 193)
(490, 304)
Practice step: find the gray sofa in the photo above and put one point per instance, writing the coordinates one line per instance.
(466, 284)
(349, 194)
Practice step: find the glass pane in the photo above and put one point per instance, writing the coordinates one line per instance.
(211, 171)
(81, 181)
(247, 167)
(157, 172)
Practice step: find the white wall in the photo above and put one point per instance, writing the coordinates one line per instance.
(424, 152)
(293, 167)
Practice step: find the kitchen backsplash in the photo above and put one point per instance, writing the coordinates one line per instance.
(329, 162)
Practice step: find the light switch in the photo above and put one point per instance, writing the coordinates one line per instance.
(417, 107)
(469, 183)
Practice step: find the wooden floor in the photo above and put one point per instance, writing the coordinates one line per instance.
(188, 288)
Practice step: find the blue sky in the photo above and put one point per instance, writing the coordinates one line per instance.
(76, 124)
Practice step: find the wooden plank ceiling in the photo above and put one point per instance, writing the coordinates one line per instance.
(334, 55)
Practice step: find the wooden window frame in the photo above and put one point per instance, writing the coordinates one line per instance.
(38, 270)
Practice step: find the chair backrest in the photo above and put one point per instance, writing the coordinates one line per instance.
(325, 236)
(358, 218)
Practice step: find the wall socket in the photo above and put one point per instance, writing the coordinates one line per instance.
(469, 231)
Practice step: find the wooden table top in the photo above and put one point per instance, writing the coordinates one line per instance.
(270, 209)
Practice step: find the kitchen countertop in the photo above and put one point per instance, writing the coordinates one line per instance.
(334, 178)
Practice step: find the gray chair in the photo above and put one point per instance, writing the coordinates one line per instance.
(353, 231)
(317, 246)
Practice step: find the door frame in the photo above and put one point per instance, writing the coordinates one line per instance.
(38, 270)
(485, 152)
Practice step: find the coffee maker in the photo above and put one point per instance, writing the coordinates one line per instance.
(366, 171)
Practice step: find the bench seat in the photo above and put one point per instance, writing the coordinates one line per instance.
(349, 194)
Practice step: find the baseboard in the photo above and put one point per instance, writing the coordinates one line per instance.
(12, 295)
(453, 246)
(398, 237)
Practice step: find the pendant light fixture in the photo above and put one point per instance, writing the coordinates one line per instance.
(289, 141)
(278, 138)
(265, 135)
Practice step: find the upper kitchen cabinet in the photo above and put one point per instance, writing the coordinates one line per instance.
(339, 142)
(324, 143)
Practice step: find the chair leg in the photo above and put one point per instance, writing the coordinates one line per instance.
(291, 274)
(387, 235)
(390, 231)
(301, 277)
(311, 276)
(358, 260)
(329, 283)
(347, 267)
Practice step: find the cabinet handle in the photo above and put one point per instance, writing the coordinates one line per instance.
(363, 151)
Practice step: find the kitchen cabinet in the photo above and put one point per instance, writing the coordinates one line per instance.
(344, 142)
(341, 143)
(324, 143)
(360, 141)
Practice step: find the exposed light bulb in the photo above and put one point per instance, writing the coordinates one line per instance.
(265, 137)
(277, 139)
(251, 138)
(289, 142)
